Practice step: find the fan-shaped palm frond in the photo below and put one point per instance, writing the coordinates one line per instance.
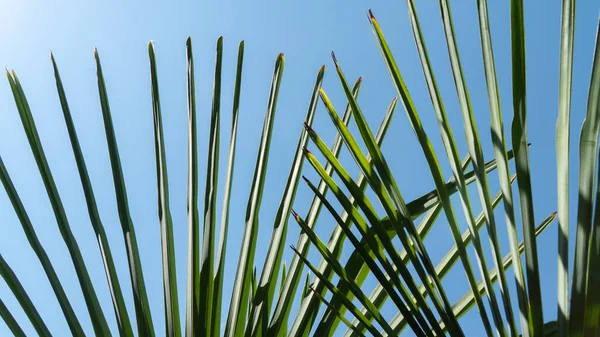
(370, 211)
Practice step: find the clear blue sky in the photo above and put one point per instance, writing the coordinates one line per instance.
(306, 32)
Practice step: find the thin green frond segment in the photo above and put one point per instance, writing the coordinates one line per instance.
(10, 321)
(93, 306)
(193, 271)
(474, 146)
(519, 142)
(563, 147)
(172, 322)
(241, 290)
(586, 243)
(379, 296)
(17, 289)
(467, 301)
(114, 286)
(339, 270)
(353, 309)
(376, 227)
(220, 267)
(389, 195)
(592, 302)
(259, 320)
(34, 242)
(420, 327)
(205, 309)
(338, 313)
(310, 305)
(499, 144)
(435, 170)
(140, 298)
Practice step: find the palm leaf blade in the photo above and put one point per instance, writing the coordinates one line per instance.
(563, 135)
(239, 299)
(93, 306)
(220, 267)
(140, 297)
(267, 283)
(173, 328)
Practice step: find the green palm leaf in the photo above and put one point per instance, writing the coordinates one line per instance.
(210, 202)
(563, 144)
(91, 299)
(219, 274)
(262, 308)
(310, 303)
(192, 315)
(467, 301)
(519, 141)
(474, 146)
(17, 289)
(140, 298)
(173, 328)
(499, 143)
(10, 321)
(585, 240)
(334, 290)
(123, 321)
(449, 259)
(59, 292)
(239, 299)
(435, 171)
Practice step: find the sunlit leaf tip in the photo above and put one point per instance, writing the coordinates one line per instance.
(371, 16)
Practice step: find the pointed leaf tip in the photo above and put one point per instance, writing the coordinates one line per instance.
(334, 58)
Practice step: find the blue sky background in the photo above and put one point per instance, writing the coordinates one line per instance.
(306, 32)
